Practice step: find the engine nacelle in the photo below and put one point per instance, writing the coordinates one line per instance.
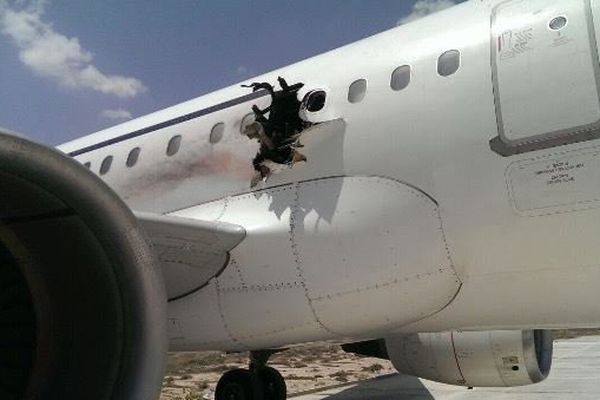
(82, 302)
(491, 358)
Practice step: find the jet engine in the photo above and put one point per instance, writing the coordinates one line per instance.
(82, 302)
(491, 358)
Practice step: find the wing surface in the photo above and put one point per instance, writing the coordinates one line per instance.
(190, 251)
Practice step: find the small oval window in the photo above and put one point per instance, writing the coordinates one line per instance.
(557, 23)
(105, 166)
(400, 78)
(448, 63)
(133, 156)
(357, 91)
(246, 121)
(216, 133)
(173, 146)
(314, 101)
(88, 165)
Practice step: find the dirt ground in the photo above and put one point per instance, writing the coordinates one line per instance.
(194, 375)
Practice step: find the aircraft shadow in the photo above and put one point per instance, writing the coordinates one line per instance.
(387, 387)
(324, 147)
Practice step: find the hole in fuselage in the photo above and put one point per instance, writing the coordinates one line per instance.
(277, 128)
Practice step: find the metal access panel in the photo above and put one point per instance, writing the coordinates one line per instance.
(545, 74)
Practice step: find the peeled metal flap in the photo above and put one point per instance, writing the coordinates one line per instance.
(190, 251)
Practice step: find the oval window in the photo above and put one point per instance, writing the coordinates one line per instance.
(173, 146)
(448, 63)
(314, 100)
(105, 166)
(216, 133)
(357, 91)
(133, 156)
(557, 23)
(246, 121)
(400, 78)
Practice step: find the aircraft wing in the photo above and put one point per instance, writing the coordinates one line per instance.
(190, 252)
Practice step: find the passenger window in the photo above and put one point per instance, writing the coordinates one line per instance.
(173, 146)
(216, 133)
(246, 121)
(448, 63)
(88, 165)
(357, 91)
(557, 23)
(400, 78)
(105, 166)
(133, 156)
(314, 100)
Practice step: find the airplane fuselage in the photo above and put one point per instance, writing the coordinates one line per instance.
(466, 198)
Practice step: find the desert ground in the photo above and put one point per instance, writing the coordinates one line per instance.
(194, 375)
(307, 368)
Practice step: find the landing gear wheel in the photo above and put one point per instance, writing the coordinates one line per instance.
(273, 384)
(235, 385)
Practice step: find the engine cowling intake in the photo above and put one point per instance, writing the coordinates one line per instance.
(491, 358)
(82, 302)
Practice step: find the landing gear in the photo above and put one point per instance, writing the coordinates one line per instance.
(273, 384)
(235, 385)
(259, 382)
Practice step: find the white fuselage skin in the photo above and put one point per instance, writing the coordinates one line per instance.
(403, 218)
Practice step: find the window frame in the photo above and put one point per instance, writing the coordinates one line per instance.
(355, 98)
(173, 146)
(394, 74)
(133, 157)
(308, 97)
(106, 165)
(216, 133)
(441, 72)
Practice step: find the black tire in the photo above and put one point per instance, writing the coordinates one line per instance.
(235, 385)
(273, 384)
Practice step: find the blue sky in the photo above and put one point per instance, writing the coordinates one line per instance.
(69, 68)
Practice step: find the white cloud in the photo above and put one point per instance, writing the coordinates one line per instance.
(52, 55)
(422, 8)
(118, 114)
(242, 70)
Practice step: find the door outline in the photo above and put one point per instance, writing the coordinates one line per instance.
(506, 147)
